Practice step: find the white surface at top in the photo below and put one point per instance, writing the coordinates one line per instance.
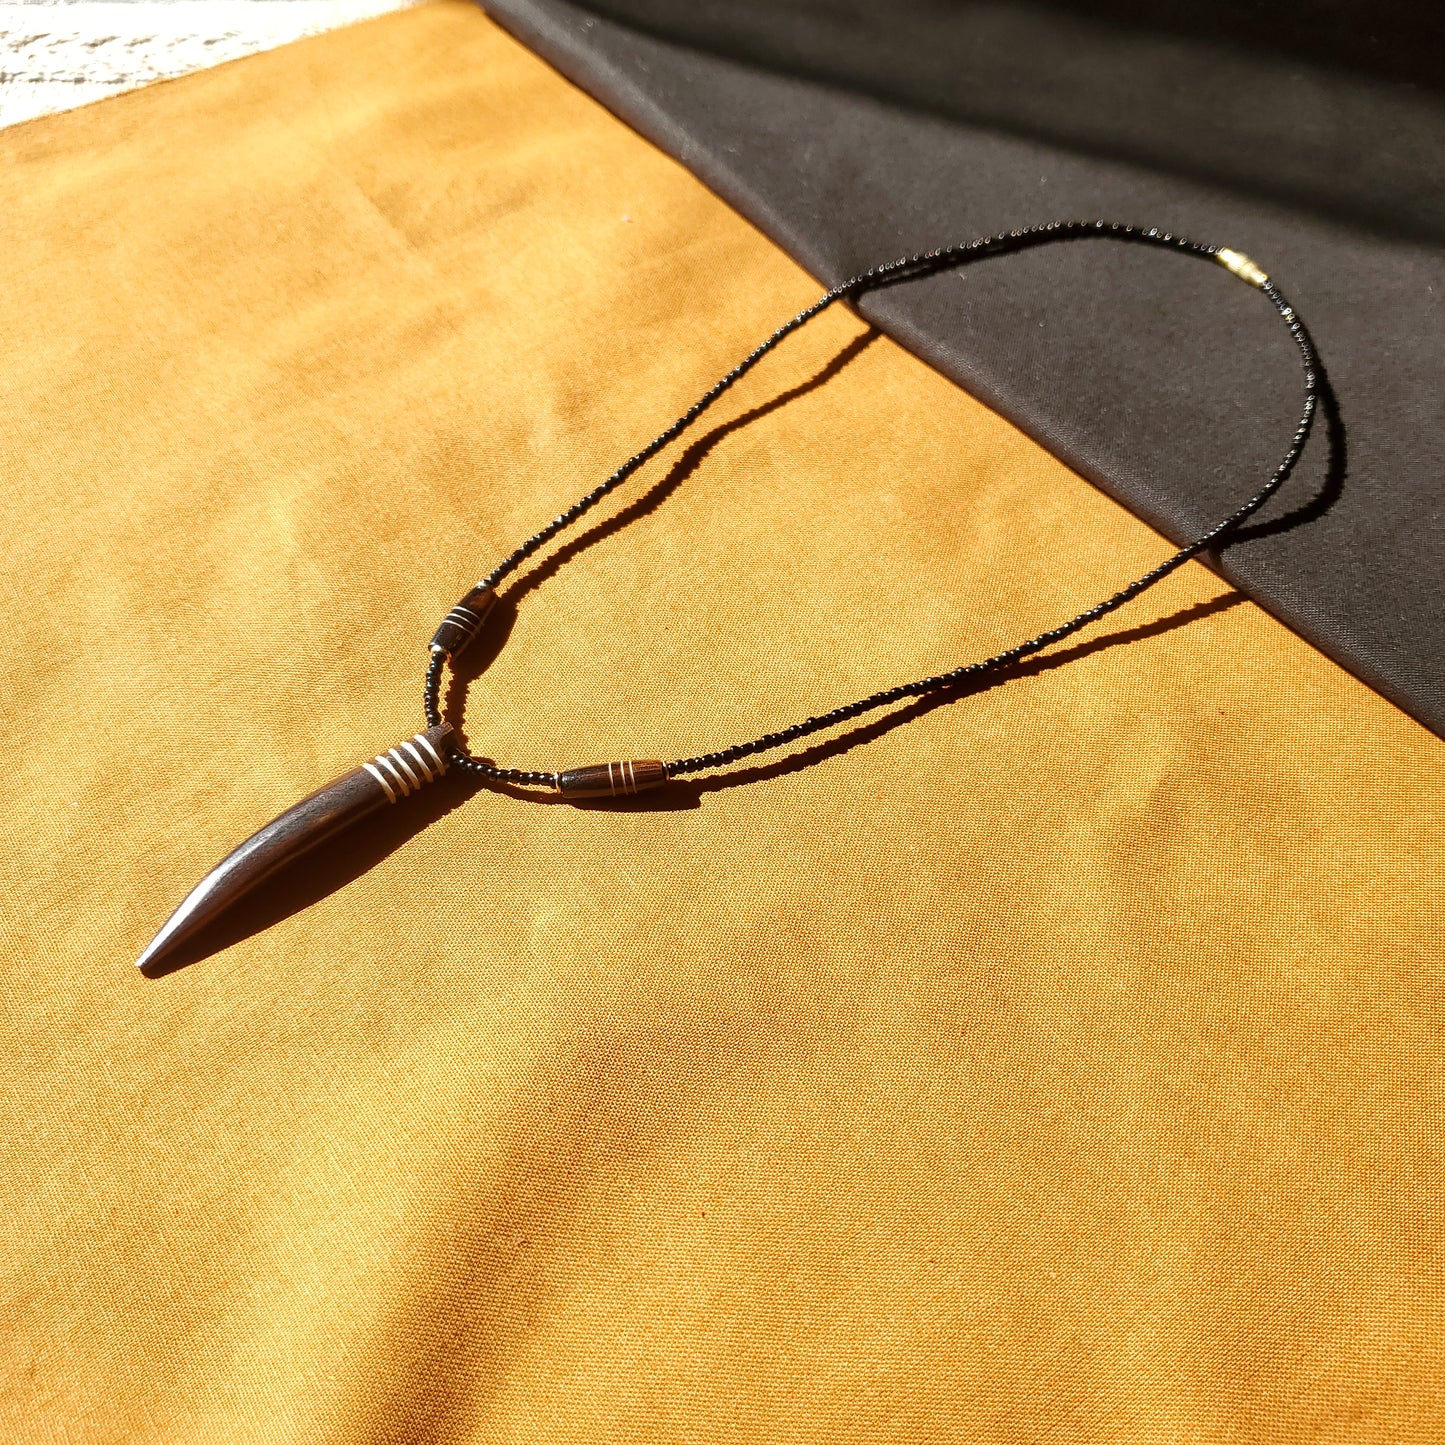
(56, 54)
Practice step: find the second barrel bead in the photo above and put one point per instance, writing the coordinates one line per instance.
(611, 780)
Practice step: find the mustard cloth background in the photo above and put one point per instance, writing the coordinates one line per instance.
(1064, 1065)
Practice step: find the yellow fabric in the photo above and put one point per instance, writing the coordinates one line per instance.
(1062, 1065)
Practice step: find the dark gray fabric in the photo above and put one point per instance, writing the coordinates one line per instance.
(851, 134)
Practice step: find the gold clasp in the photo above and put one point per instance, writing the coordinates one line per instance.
(1241, 265)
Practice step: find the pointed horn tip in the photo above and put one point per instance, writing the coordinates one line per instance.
(153, 951)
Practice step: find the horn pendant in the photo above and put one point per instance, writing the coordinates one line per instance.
(392, 775)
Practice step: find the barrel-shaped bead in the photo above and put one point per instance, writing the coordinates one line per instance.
(612, 780)
(464, 621)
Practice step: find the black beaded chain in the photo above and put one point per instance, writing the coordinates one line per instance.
(910, 268)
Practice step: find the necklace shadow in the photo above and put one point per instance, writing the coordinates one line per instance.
(366, 845)
(497, 628)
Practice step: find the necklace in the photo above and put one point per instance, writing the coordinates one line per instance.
(400, 771)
